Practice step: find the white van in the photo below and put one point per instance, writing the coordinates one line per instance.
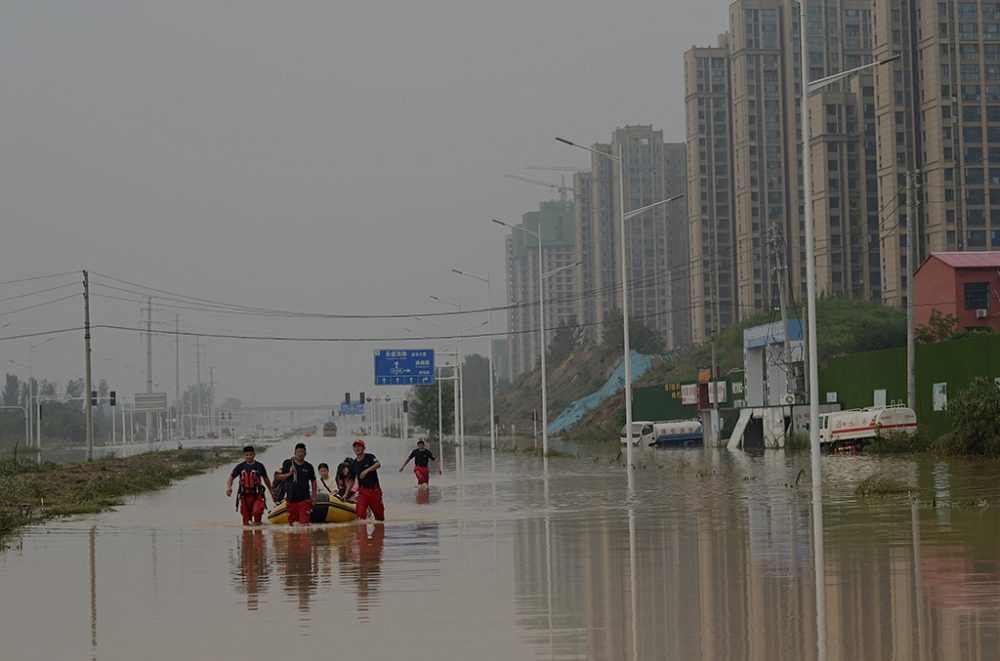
(642, 432)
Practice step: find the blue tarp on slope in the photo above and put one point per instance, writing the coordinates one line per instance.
(576, 410)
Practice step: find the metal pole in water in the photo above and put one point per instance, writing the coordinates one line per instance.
(440, 425)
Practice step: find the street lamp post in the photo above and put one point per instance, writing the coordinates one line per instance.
(810, 247)
(489, 298)
(27, 404)
(31, 389)
(460, 392)
(623, 216)
(541, 329)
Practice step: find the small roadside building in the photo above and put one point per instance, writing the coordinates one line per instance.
(963, 284)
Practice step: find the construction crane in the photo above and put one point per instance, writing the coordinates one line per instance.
(562, 189)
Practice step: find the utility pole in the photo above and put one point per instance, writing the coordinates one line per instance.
(149, 357)
(716, 432)
(197, 362)
(778, 250)
(149, 346)
(211, 396)
(87, 388)
(713, 394)
(911, 251)
(178, 409)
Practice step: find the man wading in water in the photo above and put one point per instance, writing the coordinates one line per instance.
(253, 480)
(299, 477)
(363, 468)
(421, 464)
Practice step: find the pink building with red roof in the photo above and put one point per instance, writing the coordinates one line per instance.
(963, 284)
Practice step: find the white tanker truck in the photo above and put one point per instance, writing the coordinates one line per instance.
(856, 428)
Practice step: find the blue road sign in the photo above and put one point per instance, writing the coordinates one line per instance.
(352, 408)
(404, 367)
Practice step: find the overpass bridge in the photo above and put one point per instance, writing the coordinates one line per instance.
(292, 407)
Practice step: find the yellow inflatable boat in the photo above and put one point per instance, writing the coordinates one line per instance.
(326, 509)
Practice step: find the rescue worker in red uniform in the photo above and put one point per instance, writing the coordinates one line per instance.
(421, 457)
(253, 480)
(364, 469)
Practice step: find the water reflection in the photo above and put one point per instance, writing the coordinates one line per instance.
(423, 496)
(294, 554)
(744, 571)
(710, 555)
(819, 567)
(252, 568)
(367, 572)
(92, 537)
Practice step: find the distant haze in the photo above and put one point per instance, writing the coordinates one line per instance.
(321, 156)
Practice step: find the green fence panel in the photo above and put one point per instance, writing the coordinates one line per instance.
(945, 367)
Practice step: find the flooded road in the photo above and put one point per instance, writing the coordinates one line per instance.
(711, 558)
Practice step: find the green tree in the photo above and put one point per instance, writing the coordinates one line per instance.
(642, 338)
(11, 390)
(102, 393)
(424, 407)
(976, 415)
(75, 388)
(564, 342)
(476, 373)
(938, 328)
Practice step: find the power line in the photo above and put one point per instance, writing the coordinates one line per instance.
(37, 277)
(38, 305)
(39, 333)
(39, 291)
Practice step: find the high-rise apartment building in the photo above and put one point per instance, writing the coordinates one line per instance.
(555, 222)
(655, 241)
(845, 195)
(586, 276)
(678, 253)
(709, 134)
(598, 274)
(938, 112)
(746, 180)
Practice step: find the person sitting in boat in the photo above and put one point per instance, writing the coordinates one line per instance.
(345, 482)
(326, 485)
(278, 491)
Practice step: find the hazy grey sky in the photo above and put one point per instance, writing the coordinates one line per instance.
(322, 156)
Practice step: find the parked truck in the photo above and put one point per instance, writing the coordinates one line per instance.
(681, 433)
(853, 429)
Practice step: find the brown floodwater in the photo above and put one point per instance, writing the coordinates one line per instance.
(710, 556)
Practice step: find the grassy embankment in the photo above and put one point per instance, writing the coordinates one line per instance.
(844, 327)
(31, 492)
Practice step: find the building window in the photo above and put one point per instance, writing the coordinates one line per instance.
(975, 239)
(977, 296)
(967, 10)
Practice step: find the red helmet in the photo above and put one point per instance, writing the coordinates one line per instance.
(358, 442)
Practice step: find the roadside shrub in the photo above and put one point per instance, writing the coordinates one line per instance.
(898, 443)
(879, 484)
(797, 441)
(975, 414)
